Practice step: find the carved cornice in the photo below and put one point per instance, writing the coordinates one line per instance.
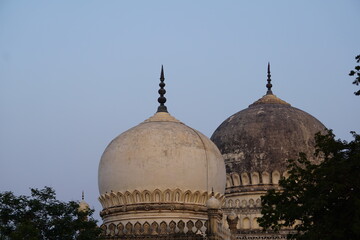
(140, 200)
(142, 208)
(260, 189)
(253, 181)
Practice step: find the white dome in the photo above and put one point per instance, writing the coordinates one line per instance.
(213, 203)
(160, 154)
(83, 206)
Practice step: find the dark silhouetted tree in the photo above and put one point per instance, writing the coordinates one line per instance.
(321, 201)
(42, 217)
(356, 73)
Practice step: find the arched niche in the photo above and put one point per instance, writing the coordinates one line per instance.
(236, 179)
(255, 178)
(265, 178)
(246, 223)
(228, 181)
(275, 177)
(255, 223)
(245, 179)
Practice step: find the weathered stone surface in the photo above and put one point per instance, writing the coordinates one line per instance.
(255, 144)
(263, 136)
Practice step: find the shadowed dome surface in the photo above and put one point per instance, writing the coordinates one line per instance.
(264, 135)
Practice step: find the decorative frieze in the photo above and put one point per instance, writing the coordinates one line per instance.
(146, 229)
(116, 199)
(259, 179)
(241, 202)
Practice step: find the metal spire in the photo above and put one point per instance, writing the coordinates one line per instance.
(269, 85)
(82, 195)
(162, 91)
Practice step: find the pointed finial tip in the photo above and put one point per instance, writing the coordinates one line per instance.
(162, 73)
(82, 195)
(269, 85)
(162, 91)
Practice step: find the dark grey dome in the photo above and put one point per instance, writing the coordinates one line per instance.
(266, 134)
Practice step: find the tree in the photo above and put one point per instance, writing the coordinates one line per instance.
(356, 72)
(42, 217)
(321, 201)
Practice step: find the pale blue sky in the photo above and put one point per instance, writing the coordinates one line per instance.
(75, 74)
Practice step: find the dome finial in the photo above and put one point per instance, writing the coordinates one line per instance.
(269, 85)
(82, 195)
(162, 91)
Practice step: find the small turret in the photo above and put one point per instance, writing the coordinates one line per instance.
(83, 206)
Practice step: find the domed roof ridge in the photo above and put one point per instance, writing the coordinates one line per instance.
(269, 99)
(166, 117)
(162, 117)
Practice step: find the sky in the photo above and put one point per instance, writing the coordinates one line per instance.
(75, 74)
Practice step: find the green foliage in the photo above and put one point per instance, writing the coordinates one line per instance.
(356, 72)
(321, 201)
(42, 217)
